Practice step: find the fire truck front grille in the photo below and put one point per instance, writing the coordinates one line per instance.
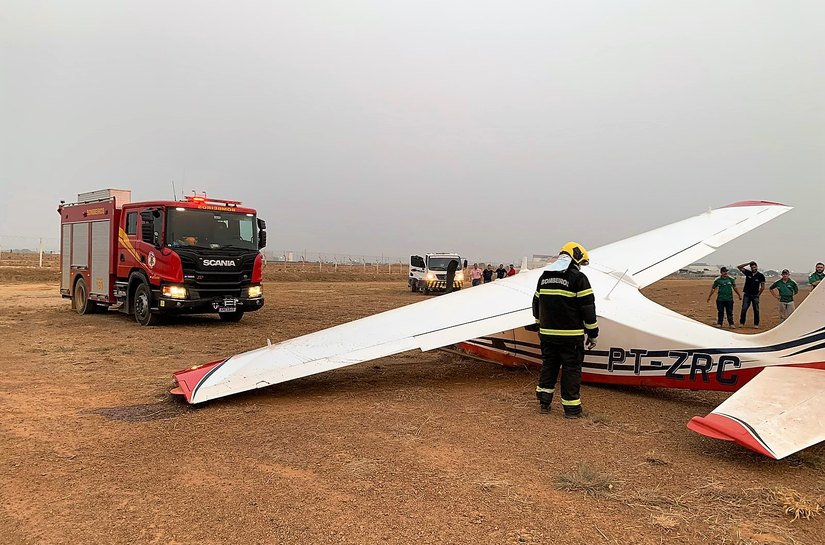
(214, 283)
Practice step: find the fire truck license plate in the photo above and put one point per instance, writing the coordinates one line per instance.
(229, 305)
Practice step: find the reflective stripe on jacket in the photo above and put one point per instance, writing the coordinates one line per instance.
(564, 305)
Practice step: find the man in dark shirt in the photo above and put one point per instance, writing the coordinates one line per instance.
(501, 272)
(754, 284)
(488, 274)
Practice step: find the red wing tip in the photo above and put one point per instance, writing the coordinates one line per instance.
(721, 427)
(754, 203)
(188, 379)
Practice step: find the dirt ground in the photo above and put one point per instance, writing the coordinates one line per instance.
(415, 448)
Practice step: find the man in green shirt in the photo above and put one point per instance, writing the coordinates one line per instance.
(724, 298)
(784, 289)
(817, 276)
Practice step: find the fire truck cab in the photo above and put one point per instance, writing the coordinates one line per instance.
(147, 259)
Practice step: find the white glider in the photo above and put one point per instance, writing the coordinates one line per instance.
(641, 342)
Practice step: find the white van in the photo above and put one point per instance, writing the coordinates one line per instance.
(429, 273)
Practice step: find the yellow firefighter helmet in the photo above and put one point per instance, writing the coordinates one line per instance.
(577, 252)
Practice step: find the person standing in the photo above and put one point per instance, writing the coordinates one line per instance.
(784, 289)
(724, 298)
(501, 272)
(817, 276)
(565, 311)
(475, 275)
(511, 271)
(754, 286)
(488, 274)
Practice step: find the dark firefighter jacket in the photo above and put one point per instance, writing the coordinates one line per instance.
(564, 306)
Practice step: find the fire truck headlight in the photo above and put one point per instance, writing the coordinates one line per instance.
(459, 276)
(429, 276)
(255, 291)
(174, 292)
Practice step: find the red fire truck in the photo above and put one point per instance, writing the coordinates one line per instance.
(148, 259)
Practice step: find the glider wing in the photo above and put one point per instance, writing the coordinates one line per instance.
(448, 319)
(660, 252)
(456, 317)
(777, 413)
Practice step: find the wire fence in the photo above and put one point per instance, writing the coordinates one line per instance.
(27, 244)
(304, 256)
(27, 251)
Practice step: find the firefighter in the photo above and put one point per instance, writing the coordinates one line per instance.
(565, 313)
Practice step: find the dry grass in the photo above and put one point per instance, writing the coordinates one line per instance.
(490, 485)
(653, 499)
(795, 504)
(602, 419)
(652, 459)
(587, 479)
(746, 533)
(665, 522)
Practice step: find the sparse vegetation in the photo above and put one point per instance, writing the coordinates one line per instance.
(654, 460)
(665, 522)
(653, 499)
(602, 419)
(586, 479)
(795, 504)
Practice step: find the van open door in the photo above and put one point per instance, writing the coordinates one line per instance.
(417, 269)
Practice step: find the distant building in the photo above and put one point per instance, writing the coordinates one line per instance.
(700, 269)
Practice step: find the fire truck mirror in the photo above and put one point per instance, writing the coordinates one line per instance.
(261, 224)
(261, 239)
(148, 232)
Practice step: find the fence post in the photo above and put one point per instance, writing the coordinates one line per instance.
(40, 251)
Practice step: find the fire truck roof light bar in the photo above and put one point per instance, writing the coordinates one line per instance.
(201, 199)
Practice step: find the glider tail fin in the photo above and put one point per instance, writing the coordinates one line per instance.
(809, 316)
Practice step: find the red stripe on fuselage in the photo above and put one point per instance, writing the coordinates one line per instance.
(495, 356)
(754, 203)
(654, 381)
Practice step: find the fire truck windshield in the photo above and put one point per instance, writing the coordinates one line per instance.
(210, 229)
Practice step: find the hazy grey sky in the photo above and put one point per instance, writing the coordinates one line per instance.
(495, 129)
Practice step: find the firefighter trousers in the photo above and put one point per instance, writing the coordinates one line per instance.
(566, 356)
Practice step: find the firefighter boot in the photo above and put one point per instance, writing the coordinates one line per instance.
(573, 408)
(581, 413)
(545, 397)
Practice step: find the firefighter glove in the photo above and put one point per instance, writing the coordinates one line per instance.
(532, 327)
(590, 343)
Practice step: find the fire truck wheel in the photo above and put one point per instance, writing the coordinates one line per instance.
(231, 316)
(414, 286)
(143, 306)
(81, 301)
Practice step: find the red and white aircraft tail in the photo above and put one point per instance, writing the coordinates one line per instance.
(780, 411)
